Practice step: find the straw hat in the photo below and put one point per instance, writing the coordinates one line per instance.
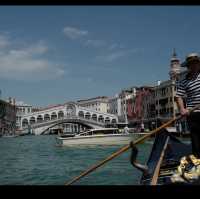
(192, 57)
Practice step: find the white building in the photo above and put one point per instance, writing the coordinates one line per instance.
(21, 109)
(115, 105)
(100, 103)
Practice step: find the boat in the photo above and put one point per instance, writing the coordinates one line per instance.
(164, 159)
(9, 136)
(103, 136)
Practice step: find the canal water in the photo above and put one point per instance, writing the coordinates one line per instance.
(36, 160)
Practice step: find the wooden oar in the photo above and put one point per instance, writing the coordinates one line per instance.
(125, 148)
(157, 170)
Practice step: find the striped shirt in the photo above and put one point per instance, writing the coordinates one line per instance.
(189, 88)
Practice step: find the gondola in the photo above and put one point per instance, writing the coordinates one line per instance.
(164, 159)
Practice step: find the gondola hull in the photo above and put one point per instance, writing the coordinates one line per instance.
(175, 150)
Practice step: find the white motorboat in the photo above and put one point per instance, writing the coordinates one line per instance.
(104, 136)
(10, 136)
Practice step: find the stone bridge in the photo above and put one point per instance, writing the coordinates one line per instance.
(39, 122)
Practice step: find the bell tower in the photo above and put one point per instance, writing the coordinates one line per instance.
(174, 66)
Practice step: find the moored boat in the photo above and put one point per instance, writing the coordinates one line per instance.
(104, 136)
(9, 136)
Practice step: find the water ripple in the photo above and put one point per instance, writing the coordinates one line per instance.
(36, 160)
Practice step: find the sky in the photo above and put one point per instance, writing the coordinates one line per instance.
(53, 54)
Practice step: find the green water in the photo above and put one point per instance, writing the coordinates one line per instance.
(36, 160)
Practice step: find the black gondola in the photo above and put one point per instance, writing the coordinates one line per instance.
(164, 158)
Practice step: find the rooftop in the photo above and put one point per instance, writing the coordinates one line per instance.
(95, 98)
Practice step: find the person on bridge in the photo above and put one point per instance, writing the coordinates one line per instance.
(126, 129)
(189, 88)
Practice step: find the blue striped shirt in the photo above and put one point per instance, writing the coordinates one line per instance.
(189, 88)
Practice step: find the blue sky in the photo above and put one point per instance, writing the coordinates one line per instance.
(52, 54)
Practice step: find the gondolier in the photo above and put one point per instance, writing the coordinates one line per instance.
(189, 88)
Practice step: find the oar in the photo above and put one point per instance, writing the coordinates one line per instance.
(125, 148)
(157, 170)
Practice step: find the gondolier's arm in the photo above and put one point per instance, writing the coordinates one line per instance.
(183, 110)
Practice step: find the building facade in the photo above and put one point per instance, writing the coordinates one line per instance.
(147, 104)
(115, 105)
(166, 107)
(100, 103)
(7, 118)
(21, 110)
(127, 99)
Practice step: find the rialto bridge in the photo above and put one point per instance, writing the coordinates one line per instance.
(69, 115)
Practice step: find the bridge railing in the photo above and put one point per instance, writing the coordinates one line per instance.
(43, 122)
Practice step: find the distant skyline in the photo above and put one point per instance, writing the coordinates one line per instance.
(53, 54)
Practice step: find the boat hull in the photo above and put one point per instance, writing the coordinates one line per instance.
(97, 140)
(10, 136)
(175, 150)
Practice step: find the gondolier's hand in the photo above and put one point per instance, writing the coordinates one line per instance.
(184, 112)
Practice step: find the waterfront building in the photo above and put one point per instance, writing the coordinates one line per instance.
(100, 103)
(166, 107)
(127, 98)
(148, 107)
(139, 107)
(156, 101)
(7, 117)
(115, 105)
(164, 94)
(21, 109)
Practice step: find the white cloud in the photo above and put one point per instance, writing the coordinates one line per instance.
(27, 63)
(90, 80)
(74, 33)
(3, 41)
(115, 46)
(115, 55)
(95, 43)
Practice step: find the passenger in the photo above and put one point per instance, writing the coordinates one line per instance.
(126, 129)
(142, 127)
(189, 87)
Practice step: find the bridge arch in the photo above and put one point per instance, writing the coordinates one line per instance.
(87, 115)
(53, 116)
(68, 122)
(94, 117)
(71, 109)
(100, 118)
(107, 120)
(81, 114)
(114, 121)
(39, 118)
(46, 117)
(24, 122)
(60, 114)
(32, 120)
